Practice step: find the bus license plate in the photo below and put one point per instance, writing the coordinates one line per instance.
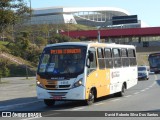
(57, 97)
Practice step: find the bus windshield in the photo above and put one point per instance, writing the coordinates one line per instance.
(62, 60)
(154, 61)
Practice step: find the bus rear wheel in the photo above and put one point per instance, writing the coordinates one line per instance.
(121, 93)
(91, 97)
(49, 102)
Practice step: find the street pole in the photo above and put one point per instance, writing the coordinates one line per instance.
(0, 78)
(30, 7)
(70, 21)
(99, 36)
(26, 72)
(68, 28)
(30, 11)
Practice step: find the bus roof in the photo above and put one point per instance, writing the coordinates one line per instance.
(154, 54)
(92, 44)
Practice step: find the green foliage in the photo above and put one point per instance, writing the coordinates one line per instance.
(23, 47)
(21, 44)
(58, 38)
(11, 12)
(83, 38)
(32, 54)
(40, 41)
(27, 42)
(3, 49)
(4, 71)
(20, 70)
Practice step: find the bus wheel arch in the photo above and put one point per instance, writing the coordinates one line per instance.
(92, 96)
(125, 85)
(122, 92)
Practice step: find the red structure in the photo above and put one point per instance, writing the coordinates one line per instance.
(126, 32)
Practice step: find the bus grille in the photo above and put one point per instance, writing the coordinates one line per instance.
(57, 86)
(58, 93)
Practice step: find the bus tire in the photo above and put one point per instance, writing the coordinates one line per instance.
(121, 93)
(91, 97)
(49, 102)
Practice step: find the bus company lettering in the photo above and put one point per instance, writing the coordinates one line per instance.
(115, 74)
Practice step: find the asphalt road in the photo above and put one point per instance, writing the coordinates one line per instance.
(142, 97)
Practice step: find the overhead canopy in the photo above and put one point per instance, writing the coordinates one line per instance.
(127, 32)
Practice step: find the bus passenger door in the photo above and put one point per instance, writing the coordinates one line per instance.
(103, 74)
(92, 74)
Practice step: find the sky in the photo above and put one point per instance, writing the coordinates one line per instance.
(147, 10)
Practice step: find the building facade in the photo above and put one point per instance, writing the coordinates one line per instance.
(89, 16)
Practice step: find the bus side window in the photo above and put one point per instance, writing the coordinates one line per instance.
(93, 64)
(116, 57)
(132, 57)
(108, 58)
(100, 58)
(124, 56)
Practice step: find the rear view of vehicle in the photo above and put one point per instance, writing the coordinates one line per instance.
(143, 73)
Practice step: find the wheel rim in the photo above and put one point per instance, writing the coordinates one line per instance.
(123, 89)
(91, 96)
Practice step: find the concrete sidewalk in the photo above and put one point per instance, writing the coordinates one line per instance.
(17, 91)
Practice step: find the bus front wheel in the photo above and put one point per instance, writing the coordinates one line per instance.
(91, 97)
(49, 102)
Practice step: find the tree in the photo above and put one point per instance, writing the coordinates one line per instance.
(4, 71)
(21, 44)
(58, 38)
(40, 41)
(11, 11)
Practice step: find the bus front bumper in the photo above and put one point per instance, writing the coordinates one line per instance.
(77, 93)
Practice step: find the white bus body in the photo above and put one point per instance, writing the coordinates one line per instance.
(92, 70)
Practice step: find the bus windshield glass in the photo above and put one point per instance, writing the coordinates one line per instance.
(154, 61)
(62, 60)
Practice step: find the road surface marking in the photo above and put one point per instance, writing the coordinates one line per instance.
(147, 88)
(115, 100)
(50, 115)
(15, 105)
(99, 103)
(152, 84)
(31, 118)
(128, 96)
(136, 93)
(143, 90)
(78, 108)
(156, 78)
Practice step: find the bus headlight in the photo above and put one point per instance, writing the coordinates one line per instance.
(39, 84)
(77, 83)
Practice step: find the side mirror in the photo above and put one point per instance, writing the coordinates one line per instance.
(91, 57)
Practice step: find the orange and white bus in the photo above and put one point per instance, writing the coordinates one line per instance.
(85, 71)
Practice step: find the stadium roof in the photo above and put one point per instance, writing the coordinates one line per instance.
(81, 9)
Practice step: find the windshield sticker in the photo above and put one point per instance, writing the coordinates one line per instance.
(66, 51)
(51, 67)
(42, 67)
